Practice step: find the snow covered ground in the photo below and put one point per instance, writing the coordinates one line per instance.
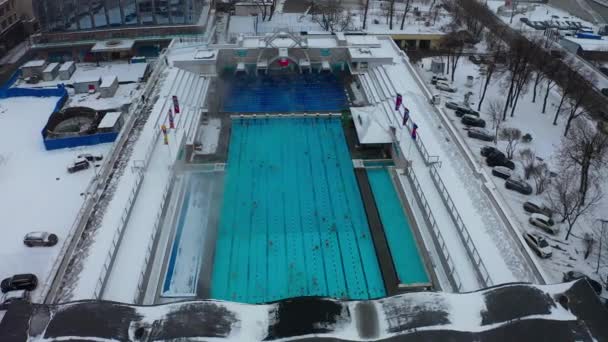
(38, 194)
(567, 255)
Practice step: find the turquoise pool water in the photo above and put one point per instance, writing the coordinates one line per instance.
(292, 221)
(399, 235)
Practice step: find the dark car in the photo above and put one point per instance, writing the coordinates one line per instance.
(499, 159)
(475, 59)
(605, 91)
(471, 120)
(518, 185)
(573, 275)
(43, 239)
(480, 133)
(19, 282)
(534, 208)
(490, 151)
(78, 165)
(460, 113)
(90, 157)
(434, 79)
(501, 172)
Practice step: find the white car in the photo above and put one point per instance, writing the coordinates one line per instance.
(538, 244)
(445, 87)
(543, 222)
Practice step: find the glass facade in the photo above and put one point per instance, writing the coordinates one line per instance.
(70, 15)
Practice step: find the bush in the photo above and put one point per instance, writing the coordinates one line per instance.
(526, 138)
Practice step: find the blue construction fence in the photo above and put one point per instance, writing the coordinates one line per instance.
(56, 143)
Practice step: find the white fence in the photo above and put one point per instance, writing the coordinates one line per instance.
(157, 221)
(463, 232)
(446, 259)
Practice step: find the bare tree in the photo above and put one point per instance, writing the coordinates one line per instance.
(518, 65)
(528, 161)
(584, 148)
(331, 16)
(495, 111)
(453, 43)
(537, 80)
(391, 13)
(512, 136)
(575, 103)
(541, 175)
(496, 48)
(565, 199)
(365, 13)
(574, 85)
(549, 69)
(405, 11)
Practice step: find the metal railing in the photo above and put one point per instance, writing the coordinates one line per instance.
(446, 260)
(103, 276)
(157, 221)
(96, 187)
(463, 232)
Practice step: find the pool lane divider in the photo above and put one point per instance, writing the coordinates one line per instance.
(385, 259)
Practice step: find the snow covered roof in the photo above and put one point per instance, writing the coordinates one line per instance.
(34, 64)
(109, 120)
(371, 125)
(510, 312)
(113, 45)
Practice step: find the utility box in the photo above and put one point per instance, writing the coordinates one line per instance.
(86, 84)
(66, 70)
(50, 72)
(33, 68)
(108, 86)
(437, 66)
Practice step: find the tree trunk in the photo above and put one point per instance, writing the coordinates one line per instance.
(391, 12)
(536, 81)
(365, 13)
(504, 112)
(546, 97)
(515, 101)
(485, 87)
(559, 108)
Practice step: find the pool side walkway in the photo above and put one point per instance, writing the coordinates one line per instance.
(385, 260)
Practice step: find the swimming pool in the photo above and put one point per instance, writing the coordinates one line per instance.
(194, 232)
(292, 221)
(283, 92)
(399, 235)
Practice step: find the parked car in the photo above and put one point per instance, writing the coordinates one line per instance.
(457, 106)
(445, 87)
(460, 113)
(501, 172)
(487, 150)
(13, 296)
(519, 185)
(40, 239)
(499, 159)
(480, 133)
(604, 91)
(78, 165)
(543, 222)
(475, 59)
(538, 244)
(534, 208)
(19, 282)
(434, 79)
(471, 120)
(91, 158)
(574, 275)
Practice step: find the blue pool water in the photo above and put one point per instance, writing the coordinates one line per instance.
(399, 235)
(292, 221)
(283, 93)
